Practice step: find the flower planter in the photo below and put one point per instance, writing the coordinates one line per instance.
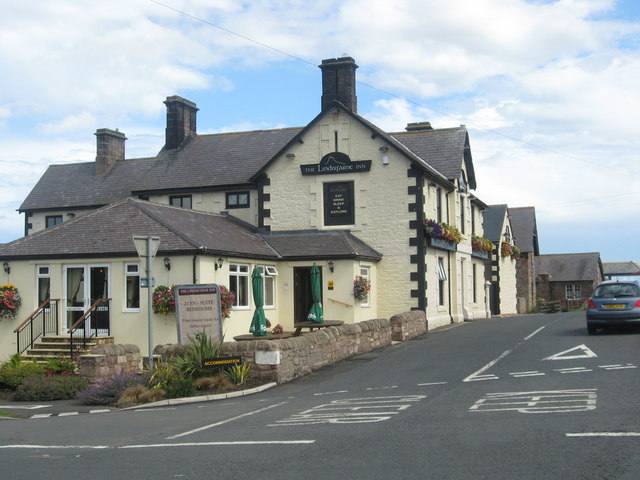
(443, 244)
(480, 254)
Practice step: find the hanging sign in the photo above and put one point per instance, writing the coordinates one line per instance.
(336, 162)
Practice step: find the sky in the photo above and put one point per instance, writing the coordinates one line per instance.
(548, 90)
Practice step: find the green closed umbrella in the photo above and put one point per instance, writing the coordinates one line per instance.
(259, 323)
(315, 314)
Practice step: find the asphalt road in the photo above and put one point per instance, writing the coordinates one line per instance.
(527, 397)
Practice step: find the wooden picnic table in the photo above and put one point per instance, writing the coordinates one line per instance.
(313, 325)
(268, 336)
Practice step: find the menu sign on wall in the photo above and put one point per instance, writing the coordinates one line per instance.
(338, 203)
(336, 162)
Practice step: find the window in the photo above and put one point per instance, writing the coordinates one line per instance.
(473, 220)
(438, 205)
(474, 272)
(238, 200)
(269, 285)
(339, 208)
(573, 291)
(442, 278)
(239, 284)
(132, 286)
(44, 283)
(463, 207)
(507, 234)
(52, 220)
(364, 273)
(181, 201)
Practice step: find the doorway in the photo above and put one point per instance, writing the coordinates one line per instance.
(302, 297)
(84, 284)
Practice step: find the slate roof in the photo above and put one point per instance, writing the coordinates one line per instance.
(525, 228)
(320, 244)
(444, 149)
(214, 160)
(493, 222)
(76, 185)
(109, 231)
(570, 267)
(621, 268)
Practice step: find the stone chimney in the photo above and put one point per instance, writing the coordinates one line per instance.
(109, 149)
(181, 121)
(418, 127)
(339, 82)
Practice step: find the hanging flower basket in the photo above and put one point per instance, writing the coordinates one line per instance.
(361, 288)
(227, 300)
(163, 300)
(9, 301)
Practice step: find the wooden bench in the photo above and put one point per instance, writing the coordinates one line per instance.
(313, 325)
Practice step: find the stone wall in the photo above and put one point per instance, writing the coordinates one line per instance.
(408, 325)
(109, 360)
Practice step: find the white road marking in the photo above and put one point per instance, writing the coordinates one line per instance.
(158, 445)
(23, 407)
(330, 393)
(573, 370)
(586, 353)
(352, 410)
(432, 383)
(381, 388)
(209, 444)
(538, 402)
(533, 373)
(617, 367)
(604, 434)
(225, 421)
(476, 376)
(532, 334)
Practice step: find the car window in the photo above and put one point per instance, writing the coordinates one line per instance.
(617, 290)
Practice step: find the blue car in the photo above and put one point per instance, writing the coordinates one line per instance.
(614, 304)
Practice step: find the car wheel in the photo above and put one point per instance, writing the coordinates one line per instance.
(591, 329)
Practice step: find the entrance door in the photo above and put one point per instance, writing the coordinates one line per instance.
(84, 284)
(302, 298)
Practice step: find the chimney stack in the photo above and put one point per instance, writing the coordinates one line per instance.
(109, 149)
(418, 127)
(181, 121)
(339, 82)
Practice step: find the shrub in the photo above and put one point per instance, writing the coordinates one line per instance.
(12, 374)
(109, 390)
(184, 387)
(62, 366)
(34, 389)
(201, 347)
(218, 383)
(138, 394)
(238, 373)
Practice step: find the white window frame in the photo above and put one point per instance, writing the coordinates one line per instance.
(241, 272)
(42, 273)
(127, 274)
(573, 291)
(268, 273)
(442, 278)
(365, 272)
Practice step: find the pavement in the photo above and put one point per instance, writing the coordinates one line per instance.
(67, 408)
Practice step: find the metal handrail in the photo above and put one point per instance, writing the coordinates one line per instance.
(38, 324)
(82, 321)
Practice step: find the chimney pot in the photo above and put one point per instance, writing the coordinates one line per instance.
(109, 149)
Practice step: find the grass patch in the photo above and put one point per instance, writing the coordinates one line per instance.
(7, 414)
